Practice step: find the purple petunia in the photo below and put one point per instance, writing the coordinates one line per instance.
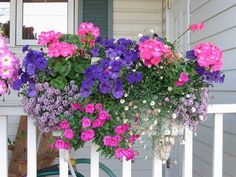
(134, 77)
(190, 55)
(105, 87)
(95, 52)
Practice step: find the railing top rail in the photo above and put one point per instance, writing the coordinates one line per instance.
(13, 110)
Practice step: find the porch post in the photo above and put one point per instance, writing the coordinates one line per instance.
(3, 147)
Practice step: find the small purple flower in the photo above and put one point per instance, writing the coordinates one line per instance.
(190, 55)
(95, 52)
(118, 90)
(133, 78)
(144, 38)
(17, 84)
(105, 87)
(25, 48)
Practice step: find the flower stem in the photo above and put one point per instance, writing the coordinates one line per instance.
(176, 40)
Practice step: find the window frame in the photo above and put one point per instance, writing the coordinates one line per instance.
(18, 10)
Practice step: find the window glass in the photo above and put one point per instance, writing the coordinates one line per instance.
(5, 18)
(44, 15)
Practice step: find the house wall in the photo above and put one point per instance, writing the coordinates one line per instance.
(131, 17)
(220, 29)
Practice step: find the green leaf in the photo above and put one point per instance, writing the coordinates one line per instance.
(63, 67)
(59, 82)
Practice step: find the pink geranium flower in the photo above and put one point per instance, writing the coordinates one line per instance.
(48, 37)
(87, 135)
(64, 124)
(3, 87)
(87, 28)
(196, 27)
(59, 144)
(61, 49)
(208, 56)
(183, 78)
(89, 108)
(152, 50)
(119, 152)
(68, 133)
(86, 122)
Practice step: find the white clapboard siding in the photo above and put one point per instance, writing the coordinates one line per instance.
(135, 16)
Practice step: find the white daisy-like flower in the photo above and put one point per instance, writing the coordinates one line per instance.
(135, 107)
(169, 89)
(126, 108)
(152, 103)
(193, 109)
(125, 95)
(174, 116)
(201, 117)
(144, 101)
(122, 101)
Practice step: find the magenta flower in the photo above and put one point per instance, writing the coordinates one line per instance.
(183, 78)
(119, 152)
(121, 129)
(87, 135)
(133, 138)
(64, 124)
(98, 106)
(3, 87)
(69, 134)
(103, 115)
(98, 123)
(75, 106)
(86, 122)
(129, 154)
(59, 144)
(89, 108)
(6, 72)
(111, 141)
(67, 146)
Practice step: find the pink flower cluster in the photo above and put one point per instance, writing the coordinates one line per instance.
(128, 153)
(68, 134)
(87, 123)
(9, 66)
(61, 49)
(48, 37)
(208, 56)
(196, 27)
(152, 50)
(87, 28)
(111, 141)
(122, 129)
(183, 78)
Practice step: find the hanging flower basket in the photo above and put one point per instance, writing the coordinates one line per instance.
(133, 88)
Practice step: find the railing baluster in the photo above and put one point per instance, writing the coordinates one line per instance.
(63, 160)
(156, 166)
(94, 168)
(218, 146)
(126, 168)
(188, 154)
(31, 149)
(3, 147)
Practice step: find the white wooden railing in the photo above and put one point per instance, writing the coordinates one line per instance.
(217, 110)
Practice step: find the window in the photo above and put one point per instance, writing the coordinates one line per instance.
(5, 18)
(36, 16)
